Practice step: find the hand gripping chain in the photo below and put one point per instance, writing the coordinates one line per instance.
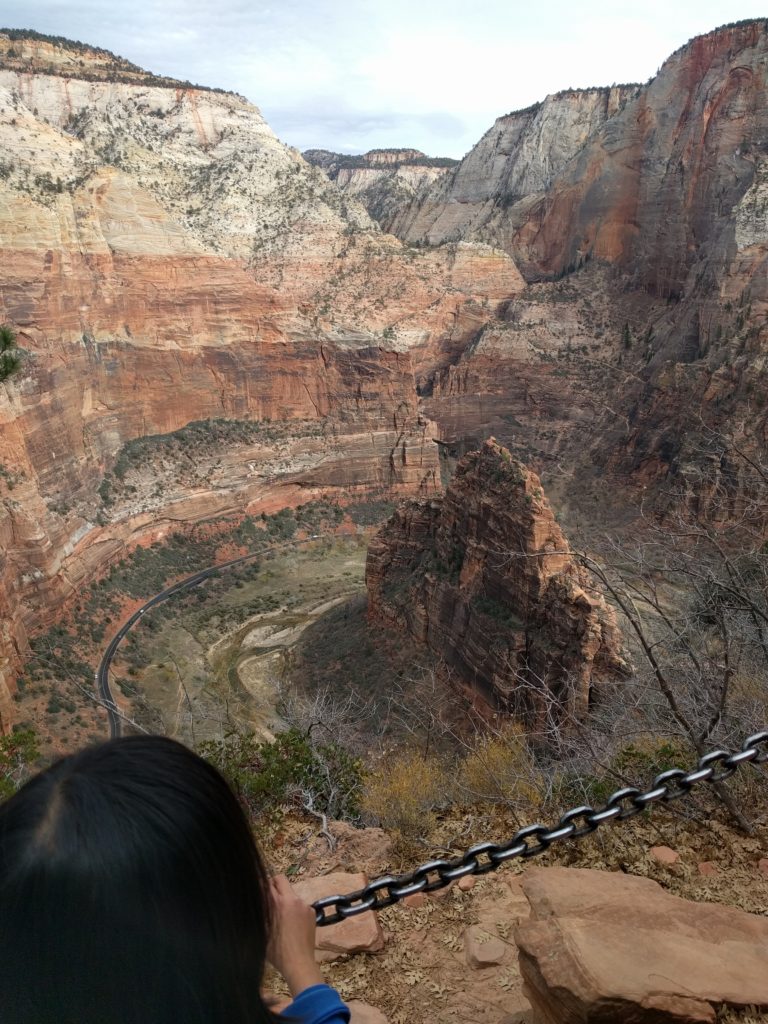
(536, 839)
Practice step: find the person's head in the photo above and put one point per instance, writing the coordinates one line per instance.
(131, 892)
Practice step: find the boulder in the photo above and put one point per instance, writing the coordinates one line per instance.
(356, 849)
(604, 946)
(415, 900)
(664, 855)
(707, 868)
(361, 934)
(482, 949)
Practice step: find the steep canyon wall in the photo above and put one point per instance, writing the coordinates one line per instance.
(167, 259)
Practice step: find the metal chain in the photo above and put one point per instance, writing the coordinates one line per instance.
(536, 839)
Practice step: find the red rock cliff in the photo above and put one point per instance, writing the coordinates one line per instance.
(484, 577)
(167, 259)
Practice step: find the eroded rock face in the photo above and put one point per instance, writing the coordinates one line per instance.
(664, 186)
(383, 180)
(603, 946)
(484, 577)
(167, 259)
(517, 159)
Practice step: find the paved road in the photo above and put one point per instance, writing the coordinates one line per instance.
(102, 672)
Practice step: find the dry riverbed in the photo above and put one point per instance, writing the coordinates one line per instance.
(216, 664)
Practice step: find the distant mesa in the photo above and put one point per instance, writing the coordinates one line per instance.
(386, 159)
(24, 49)
(385, 181)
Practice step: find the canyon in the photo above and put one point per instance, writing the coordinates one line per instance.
(588, 285)
(169, 260)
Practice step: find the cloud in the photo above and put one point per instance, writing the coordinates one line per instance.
(386, 72)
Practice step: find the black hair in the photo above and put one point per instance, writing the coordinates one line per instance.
(131, 892)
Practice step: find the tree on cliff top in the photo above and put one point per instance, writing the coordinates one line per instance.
(9, 355)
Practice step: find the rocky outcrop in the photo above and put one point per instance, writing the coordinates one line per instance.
(361, 934)
(655, 188)
(516, 161)
(605, 946)
(484, 577)
(655, 179)
(385, 181)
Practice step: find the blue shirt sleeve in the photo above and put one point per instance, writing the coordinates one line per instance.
(318, 1004)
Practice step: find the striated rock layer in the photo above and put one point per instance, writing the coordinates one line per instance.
(516, 160)
(165, 260)
(383, 180)
(484, 577)
(664, 187)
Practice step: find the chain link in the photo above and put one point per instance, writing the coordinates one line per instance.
(535, 839)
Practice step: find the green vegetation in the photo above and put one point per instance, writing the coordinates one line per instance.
(10, 360)
(370, 513)
(18, 751)
(117, 70)
(73, 45)
(291, 770)
(64, 656)
(10, 476)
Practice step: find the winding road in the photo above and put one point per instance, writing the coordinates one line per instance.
(102, 672)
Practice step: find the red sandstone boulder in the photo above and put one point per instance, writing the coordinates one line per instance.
(607, 947)
(664, 855)
(356, 849)
(361, 934)
(707, 868)
(481, 948)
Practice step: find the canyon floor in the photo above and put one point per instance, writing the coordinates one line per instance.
(218, 664)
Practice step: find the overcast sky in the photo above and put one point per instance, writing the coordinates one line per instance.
(351, 75)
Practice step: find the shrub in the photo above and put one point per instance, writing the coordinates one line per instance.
(289, 770)
(635, 764)
(404, 792)
(9, 355)
(17, 751)
(500, 769)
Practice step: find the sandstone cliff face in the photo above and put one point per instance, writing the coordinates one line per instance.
(167, 259)
(385, 181)
(518, 158)
(664, 190)
(657, 184)
(484, 577)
